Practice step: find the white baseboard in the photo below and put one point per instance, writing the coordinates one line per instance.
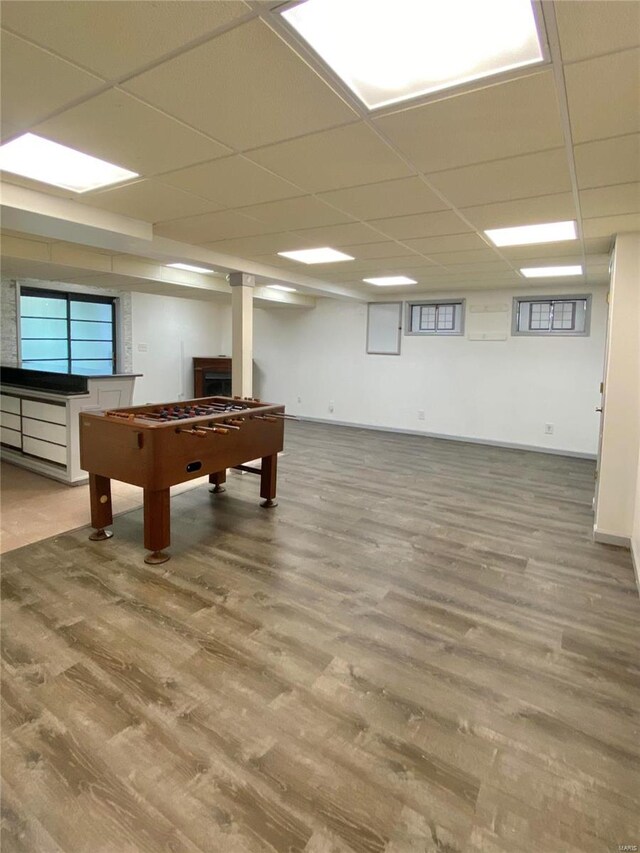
(465, 439)
(635, 558)
(611, 538)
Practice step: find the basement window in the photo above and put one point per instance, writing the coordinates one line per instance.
(555, 315)
(67, 332)
(435, 318)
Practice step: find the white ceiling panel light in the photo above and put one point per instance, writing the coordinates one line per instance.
(191, 268)
(42, 160)
(281, 287)
(550, 272)
(423, 47)
(390, 280)
(325, 255)
(521, 235)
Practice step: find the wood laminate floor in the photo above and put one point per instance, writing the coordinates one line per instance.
(420, 649)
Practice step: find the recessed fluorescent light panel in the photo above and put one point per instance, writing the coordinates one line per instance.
(390, 280)
(190, 268)
(421, 46)
(281, 287)
(317, 256)
(42, 160)
(549, 232)
(550, 272)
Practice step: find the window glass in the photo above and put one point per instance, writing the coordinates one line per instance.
(50, 366)
(49, 341)
(32, 328)
(556, 316)
(43, 349)
(446, 315)
(43, 306)
(96, 367)
(435, 318)
(539, 316)
(91, 349)
(91, 311)
(81, 331)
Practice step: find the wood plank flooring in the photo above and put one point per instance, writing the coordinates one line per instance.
(420, 649)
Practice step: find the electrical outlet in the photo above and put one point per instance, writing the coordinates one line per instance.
(548, 429)
(143, 347)
(420, 414)
(299, 399)
(331, 405)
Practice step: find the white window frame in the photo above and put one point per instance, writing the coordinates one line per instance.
(437, 303)
(551, 333)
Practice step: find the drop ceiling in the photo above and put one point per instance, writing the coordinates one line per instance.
(246, 146)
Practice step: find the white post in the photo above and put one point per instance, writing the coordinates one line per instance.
(621, 424)
(242, 333)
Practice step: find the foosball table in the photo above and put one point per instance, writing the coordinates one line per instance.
(158, 446)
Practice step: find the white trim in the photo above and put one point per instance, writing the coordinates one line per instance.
(461, 438)
(635, 559)
(611, 538)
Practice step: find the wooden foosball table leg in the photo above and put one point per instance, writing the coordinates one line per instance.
(157, 525)
(101, 512)
(268, 477)
(217, 480)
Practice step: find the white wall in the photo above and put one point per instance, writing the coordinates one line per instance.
(167, 333)
(499, 391)
(617, 478)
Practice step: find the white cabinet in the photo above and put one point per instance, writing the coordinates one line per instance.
(39, 429)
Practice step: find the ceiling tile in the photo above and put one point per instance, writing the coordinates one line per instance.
(597, 246)
(482, 268)
(131, 34)
(555, 207)
(512, 178)
(340, 235)
(304, 212)
(122, 130)
(210, 227)
(245, 88)
(35, 83)
(389, 198)
(386, 249)
(608, 161)
(231, 182)
(536, 259)
(261, 244)
(608, 226)
(543, 251)
(447, 243)
(383, 266)
(589, 29)
(605, 201)
(341, 157)
(502, 120)
(421, 225)
(148, 200)
(469, 257)
(604, 96)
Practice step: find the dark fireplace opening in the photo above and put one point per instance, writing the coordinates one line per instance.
(217, 384)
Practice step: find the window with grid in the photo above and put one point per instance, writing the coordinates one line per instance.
(552, 316)
(67, 332)
(435, 318)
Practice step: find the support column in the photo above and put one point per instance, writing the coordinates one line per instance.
(620, 437)
(242, 286)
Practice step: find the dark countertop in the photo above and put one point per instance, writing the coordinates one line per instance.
(60, 383)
